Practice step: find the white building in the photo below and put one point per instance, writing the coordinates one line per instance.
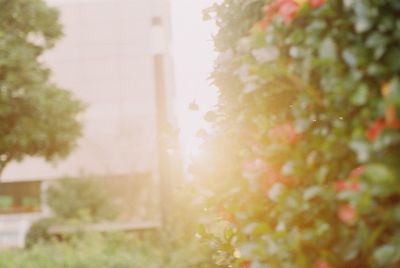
(115, 56)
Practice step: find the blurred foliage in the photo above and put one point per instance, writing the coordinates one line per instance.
(119, 250)
(39, 232)
(83, 199)
(302, 167)
(73, 201)
(37, 117)
(174, 245)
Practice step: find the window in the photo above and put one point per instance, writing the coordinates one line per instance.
(19, 197)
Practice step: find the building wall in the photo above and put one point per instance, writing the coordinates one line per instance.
(105, 58)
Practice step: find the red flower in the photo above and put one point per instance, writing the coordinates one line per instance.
(347, 214)
(245, 264)
(391, 119)
(357, 172)
(341, 185)
(375, 129)
(316, 3)
(283, 133)
(322, 264)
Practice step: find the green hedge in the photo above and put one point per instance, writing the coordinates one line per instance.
(303, 164)
(117, 250)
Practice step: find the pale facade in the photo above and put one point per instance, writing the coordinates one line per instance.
(107, 59)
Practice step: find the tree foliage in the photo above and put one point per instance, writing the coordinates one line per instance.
(303, 164)
(37, 118)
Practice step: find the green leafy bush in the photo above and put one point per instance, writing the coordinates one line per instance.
(119, 250)
(173, 245)
(72, 201)
(39, 232)
(303, 164)
(80, 199)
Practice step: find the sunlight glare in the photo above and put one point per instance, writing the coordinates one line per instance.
(194, 56)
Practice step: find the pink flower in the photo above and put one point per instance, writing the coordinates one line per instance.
(322, 264)
(248, 131)
(225, 215)
(271, 175)
(262, 24)
(347, 214)
(353, 186)
(272, 8)
(316, 3)
(357, 172)
(251, 169)
(283, 133)
(341, 185)
(288, 10)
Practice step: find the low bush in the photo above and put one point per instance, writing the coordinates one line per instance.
(83, 199)
(119, 250)
(39, 232)
(174, 245)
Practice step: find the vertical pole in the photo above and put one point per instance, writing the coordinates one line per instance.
(161, 112)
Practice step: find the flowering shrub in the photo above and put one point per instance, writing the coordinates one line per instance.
(303, 165)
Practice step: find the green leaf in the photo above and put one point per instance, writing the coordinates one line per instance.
(316, 26)
(380, 174)
(376, 39)
(391, 59)
(384, 255)
(363, 24)
(396, 212)
(375, 69)
(350, 57)
(394, 92)
(312, 192)
(328, 49)
(360, 96)
(362, 150)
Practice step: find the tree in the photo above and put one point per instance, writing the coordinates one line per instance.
(303, 164)
(37, 118)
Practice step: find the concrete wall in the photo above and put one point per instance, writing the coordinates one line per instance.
(13, 229)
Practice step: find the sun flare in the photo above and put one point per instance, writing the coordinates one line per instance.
(194, 56)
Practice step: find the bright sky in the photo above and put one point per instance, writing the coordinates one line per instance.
(194, 56)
